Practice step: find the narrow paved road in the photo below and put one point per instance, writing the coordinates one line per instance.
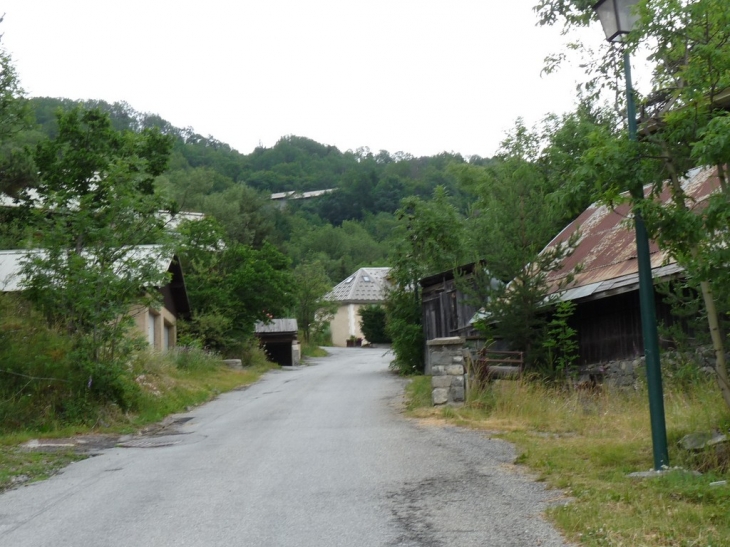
(317, 456)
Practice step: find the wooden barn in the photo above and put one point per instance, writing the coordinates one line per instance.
(606, 289)
(447, 308)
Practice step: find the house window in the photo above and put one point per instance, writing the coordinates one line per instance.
(152, 319)
(168, 339)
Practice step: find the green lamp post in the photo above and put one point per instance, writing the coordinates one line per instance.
(618, 18)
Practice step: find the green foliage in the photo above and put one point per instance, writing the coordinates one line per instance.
(561, 344)
(313, 311)
(511, 222)
(373, 324)
(432, 240)
(46, 379)
(191, 358)
(313, 349)
(93, 206)
(340, 250)
(403, 326)
(685, 125)
(16, 164)
(231, 287)
(418, 393)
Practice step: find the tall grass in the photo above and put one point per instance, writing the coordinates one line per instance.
(46, 389)
(588, 442)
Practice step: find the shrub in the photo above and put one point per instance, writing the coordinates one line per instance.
(47, 380)
(194, 359)
(373, 324)
(404, 328)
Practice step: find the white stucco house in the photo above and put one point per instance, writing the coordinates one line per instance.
(365, 287)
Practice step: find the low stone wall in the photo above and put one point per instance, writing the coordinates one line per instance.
(448, 380)
(624, 373)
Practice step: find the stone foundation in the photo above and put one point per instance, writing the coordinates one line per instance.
(448, 380)
(624, 373)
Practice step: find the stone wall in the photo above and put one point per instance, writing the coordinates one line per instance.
(448, 380)
(624, 373)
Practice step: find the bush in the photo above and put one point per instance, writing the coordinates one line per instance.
(46, 379)
(373, 324)
(405, 330)
(194, 359)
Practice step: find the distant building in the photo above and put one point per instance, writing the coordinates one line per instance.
(366, 286)
(279, 340)
(282, 197)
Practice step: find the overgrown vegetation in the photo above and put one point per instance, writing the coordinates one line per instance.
(45, 388)
(585, 443)
(163, 384)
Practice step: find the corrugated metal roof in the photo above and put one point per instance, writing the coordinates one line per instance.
(365, 285)
(295, 194)
(11, 264)
(277, 326)
(607, 245)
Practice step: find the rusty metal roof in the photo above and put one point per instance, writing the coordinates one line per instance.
(607, 245)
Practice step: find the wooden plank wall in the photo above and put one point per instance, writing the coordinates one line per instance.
(446, 311)
(610, 328)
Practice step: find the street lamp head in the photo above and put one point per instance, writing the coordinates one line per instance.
(617, 18)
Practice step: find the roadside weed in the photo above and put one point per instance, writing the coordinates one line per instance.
(586, 443)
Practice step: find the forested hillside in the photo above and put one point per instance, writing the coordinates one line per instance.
(351, 227)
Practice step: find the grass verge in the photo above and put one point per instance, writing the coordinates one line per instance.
(168, 383)
(587, 443)
(313, 350)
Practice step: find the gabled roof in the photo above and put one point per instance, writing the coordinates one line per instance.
(277, 326)
(365, 285)
(11, 263)
(607, 245)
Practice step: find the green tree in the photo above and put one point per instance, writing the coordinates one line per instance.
(16, 165)
(510, 223)
(372, 323)
(432, 240)
(92, 208)
(687, 125)
(231, 286)
(313, 311)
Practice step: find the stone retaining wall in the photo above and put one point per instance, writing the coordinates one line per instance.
(448, 380)
(624, 373)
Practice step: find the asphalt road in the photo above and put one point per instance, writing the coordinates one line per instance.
(317, 456)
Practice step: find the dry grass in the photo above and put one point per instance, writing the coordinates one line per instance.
(586, 444)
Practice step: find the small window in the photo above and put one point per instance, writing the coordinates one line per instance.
(349, 280)
(366, 278)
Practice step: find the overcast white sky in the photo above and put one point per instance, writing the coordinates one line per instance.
(418, 76)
